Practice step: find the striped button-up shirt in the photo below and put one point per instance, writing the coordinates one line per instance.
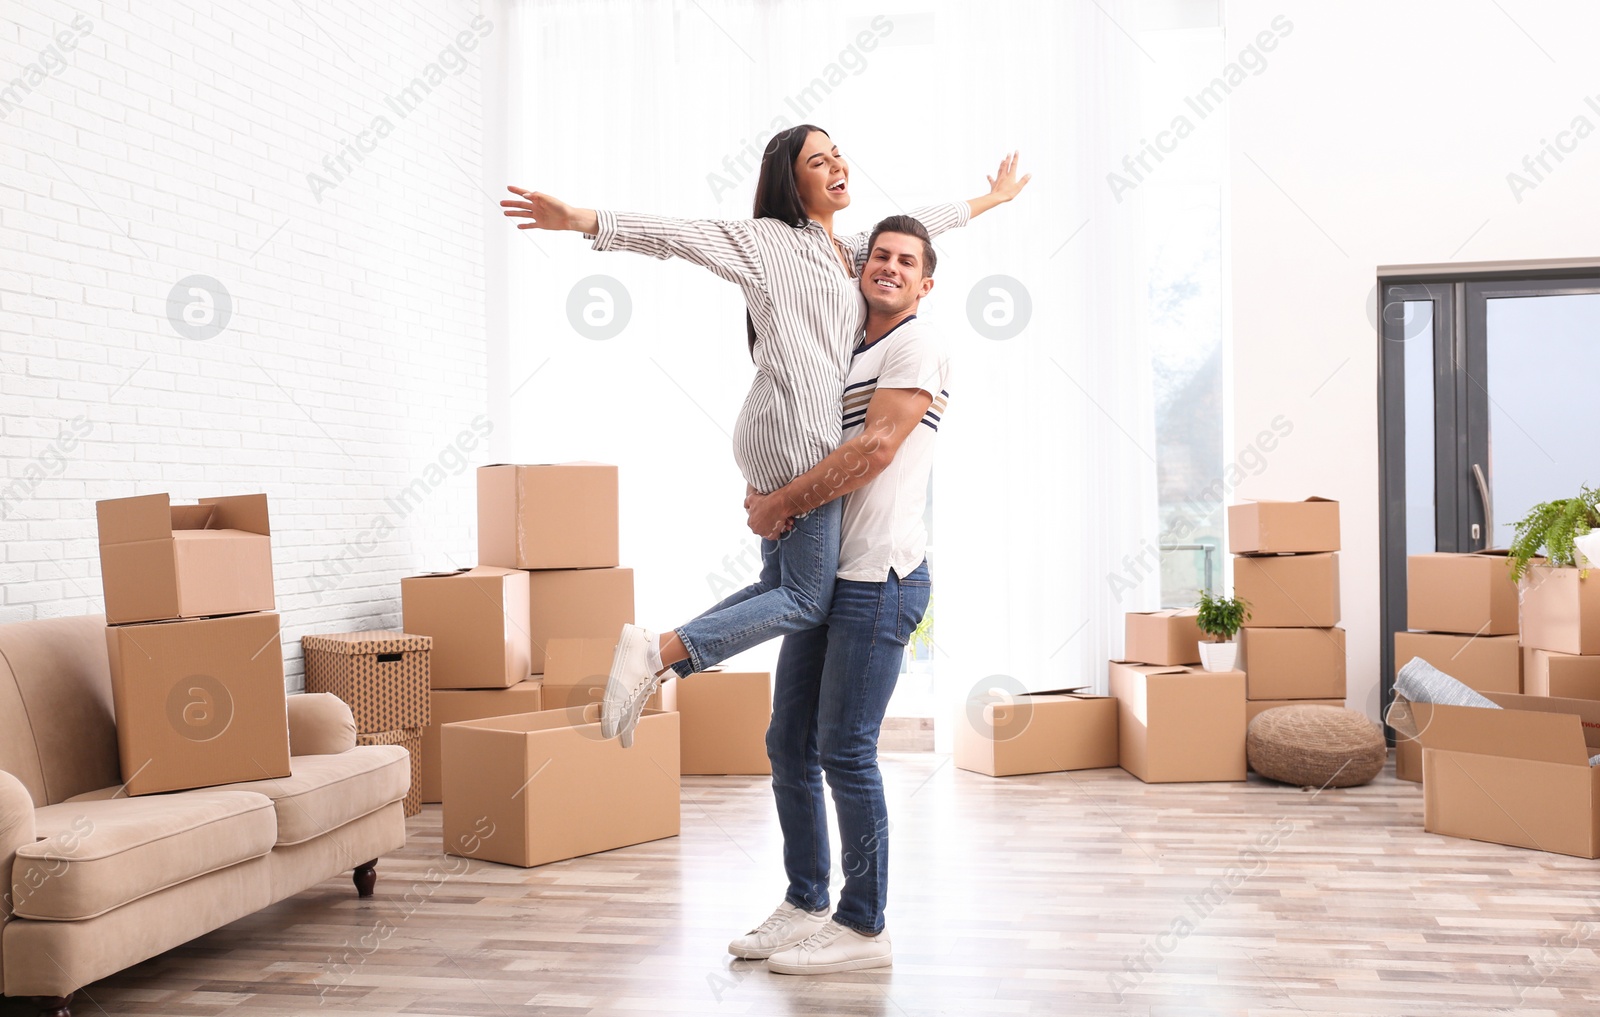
(807, 312)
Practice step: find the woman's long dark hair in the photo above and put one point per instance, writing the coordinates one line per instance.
(777, 195)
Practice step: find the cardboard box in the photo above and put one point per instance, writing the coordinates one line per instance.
(1486, 663)
(160, 561)
(1042, 732)
(383, 676)
(199, 702)
(1293, 663)
(1254, 708)
(576, 671)
(534, 788)
(1562, 675)
(1561, 610)
(1179, 724)
(1518, 776)
(478, 619)
(1469, 594)
(446, 706)
(555, 516)
(1408, 759)
(1163, 637)
(577, 603)
(722, 721)
(1289, 590)
(409, 739)
(1283, 527)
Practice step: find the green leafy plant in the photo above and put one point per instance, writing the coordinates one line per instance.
(922, 635)
(1222, 616)
(1551, 526)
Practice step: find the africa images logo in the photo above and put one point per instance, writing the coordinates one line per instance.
(199, 707)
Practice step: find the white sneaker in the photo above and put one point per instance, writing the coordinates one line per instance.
(634, 665)
(833, 948)
(787, 926)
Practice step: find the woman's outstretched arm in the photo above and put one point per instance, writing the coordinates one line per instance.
(937, 219)
(1003, 186)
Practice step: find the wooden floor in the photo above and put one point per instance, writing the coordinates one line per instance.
(1080, 894)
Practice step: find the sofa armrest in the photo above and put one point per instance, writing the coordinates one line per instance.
(16, 830)
(320, 724)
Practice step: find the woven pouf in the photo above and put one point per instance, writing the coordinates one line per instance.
(1315, 746)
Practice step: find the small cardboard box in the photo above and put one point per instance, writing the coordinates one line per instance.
(534, 788)
(1518, 776)
(1289, 590)
(1293, 663)
(446, 706)
(478, 619)
(722, 721)
(554, 516)
(409, 739)
(1561, 609)
(1486, 663)
(1283, 527)
(1469, 594)
(1042, 732)
(577, 603)
(576, 672)
(160, 561)
(199, 702)
(1254, 708)
(1163, 637)
(1178, 724)
(1408, 759)
(382, 676)
(1562, 675)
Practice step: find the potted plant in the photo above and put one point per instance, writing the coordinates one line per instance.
(1220, 617)
(1563, 528)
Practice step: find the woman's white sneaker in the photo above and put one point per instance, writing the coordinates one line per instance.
(784, 928)
(832, 949)
(634, 666)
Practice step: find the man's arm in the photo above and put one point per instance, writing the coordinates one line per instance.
(891, 415)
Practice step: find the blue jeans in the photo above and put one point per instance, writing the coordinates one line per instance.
(792, 594)
(832, 689)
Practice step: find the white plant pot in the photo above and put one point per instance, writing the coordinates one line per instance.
(1218, 656)
(1587, 547)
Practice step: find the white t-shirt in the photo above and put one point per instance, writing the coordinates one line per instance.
(882, 527)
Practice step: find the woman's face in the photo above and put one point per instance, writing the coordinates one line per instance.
(821, 175)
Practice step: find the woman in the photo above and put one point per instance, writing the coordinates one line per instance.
(804, 316)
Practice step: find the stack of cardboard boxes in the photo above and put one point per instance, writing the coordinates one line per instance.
(1560, 632)
(1286, 568)
(193, 637)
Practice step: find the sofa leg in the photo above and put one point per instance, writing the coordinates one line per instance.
(54, 1006)
(366, 878)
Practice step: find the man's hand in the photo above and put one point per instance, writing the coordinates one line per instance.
(544, 212)
(769, 515)
(1005, 185)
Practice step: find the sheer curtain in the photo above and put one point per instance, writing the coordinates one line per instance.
(1044, 481)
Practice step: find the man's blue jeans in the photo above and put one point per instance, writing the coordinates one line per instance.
(792, 594)
(832, 688)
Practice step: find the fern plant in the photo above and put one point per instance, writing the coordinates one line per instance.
(922, 635)
(1222, 616)
(1551, 526)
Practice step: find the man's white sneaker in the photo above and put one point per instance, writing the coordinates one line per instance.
(634, 665)
(833, 948)
(787, 926)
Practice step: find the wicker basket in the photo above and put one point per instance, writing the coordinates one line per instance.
(1315, 746)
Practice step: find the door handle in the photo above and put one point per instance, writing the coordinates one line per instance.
(1488, 508)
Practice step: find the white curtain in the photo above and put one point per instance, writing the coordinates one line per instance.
(1045, 480)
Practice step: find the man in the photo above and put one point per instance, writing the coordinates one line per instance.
(834, 682)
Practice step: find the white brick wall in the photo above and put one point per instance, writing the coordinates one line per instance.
(176, 138)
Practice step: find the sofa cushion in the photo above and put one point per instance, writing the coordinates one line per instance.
(327, 792)
(96, 855)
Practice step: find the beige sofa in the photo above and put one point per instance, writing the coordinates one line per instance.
(98, 881)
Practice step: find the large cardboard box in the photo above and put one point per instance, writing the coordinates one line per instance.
(446, 706)
(1486, 663)
(1254, 708)
(163, 561)
(1163, 637)
(1562, 675)
(535, 788)
(1289, 590)
(722, 721)
(576, 671)
(577, 603)
(1283, 527)
(1518, 776)
(199, 702)
(1470, 594)
(1561, 609)
(554, 516)
(383, 676)
(478, 619)
(1293, 663)
(1042, 732)
(1179, 724)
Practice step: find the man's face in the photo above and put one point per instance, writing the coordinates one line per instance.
(892, 281)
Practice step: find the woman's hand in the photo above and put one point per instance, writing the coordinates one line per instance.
(769, 515)
(544, 212)
(1003, 186)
